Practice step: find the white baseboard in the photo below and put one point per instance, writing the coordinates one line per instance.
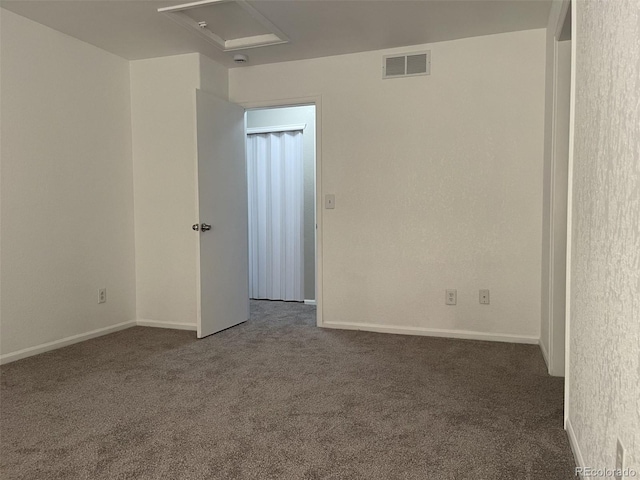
(173, 325)
(63, 342)
(575, 447)
(545, 355)
(435, 332)
(310, 302)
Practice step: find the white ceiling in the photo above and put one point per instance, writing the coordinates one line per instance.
(133, 29)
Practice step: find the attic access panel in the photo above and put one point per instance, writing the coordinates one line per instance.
(228, 24)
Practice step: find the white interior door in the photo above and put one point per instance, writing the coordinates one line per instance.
(222, 195)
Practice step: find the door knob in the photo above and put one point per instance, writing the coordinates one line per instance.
(204, 227)
(195, 227)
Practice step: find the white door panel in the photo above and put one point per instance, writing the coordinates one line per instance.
(222, 196)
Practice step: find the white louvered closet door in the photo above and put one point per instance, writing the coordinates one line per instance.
(276, 215)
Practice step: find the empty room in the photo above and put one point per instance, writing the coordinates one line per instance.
(303, 239)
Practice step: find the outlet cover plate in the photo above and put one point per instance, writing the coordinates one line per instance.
(451, 297)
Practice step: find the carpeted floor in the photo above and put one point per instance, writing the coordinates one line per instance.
(278, 398)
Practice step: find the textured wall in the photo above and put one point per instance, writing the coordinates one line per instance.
(438, 183)
(605, 308)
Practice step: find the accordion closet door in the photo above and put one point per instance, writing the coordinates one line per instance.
(276, 215)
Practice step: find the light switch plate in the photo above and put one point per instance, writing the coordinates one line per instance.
(329, 201)
(484, 297)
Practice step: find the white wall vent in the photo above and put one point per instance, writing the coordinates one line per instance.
(406, 65)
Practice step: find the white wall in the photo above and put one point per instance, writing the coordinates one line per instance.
(604, 364)
(271, 117)
(214, 78)
(165, 179)
(438, 183)
(67, 188)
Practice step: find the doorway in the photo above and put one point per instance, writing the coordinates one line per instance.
(222, 242)
(281, 179)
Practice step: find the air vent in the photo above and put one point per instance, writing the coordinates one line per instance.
(395, 66)
(407, 65)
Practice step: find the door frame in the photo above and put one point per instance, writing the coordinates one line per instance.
(555, 355)
(296, 102)
(567, 7)
(573, 5)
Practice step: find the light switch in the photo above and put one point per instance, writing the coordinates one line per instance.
(484, 297)
(329, 201)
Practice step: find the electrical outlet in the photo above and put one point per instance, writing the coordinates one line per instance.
(484, 297)
(102, 295)
(451, 297)
(619, 473)
(329, 201)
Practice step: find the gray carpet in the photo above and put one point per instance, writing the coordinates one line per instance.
(278, 398)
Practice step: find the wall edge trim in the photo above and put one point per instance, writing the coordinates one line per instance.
(63, 342)
(545, 355)
(435, 332)
(142, 322)
(575, 446)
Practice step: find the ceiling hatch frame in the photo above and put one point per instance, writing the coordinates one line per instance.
(276, 36)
